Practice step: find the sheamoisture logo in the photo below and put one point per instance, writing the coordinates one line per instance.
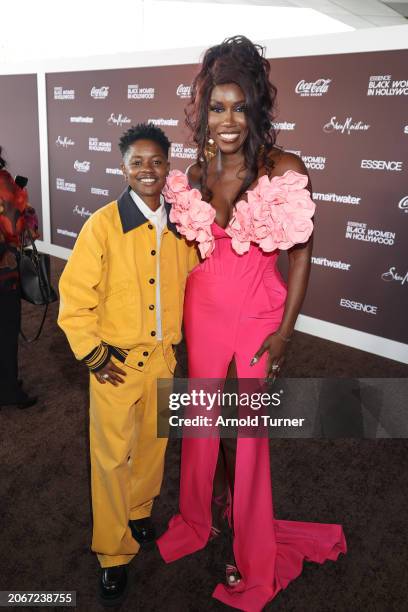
(64, 142)
(393, 275)
(312, 88)
(118, 120)
(345, 127)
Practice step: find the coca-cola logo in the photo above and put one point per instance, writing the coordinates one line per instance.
(345, 127)
(100, 93)
(83, 166)
(393, 275)
(312, 88)
(403, 204)
(183, 91)
(118, 120)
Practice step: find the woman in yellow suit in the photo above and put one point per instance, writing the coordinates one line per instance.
(122, 294)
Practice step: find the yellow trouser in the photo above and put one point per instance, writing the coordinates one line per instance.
(127, 458)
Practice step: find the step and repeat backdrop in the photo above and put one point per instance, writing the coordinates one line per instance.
(345, 115)
(19, 134)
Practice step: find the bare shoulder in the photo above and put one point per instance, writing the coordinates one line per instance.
(285, 160)
(194, 174)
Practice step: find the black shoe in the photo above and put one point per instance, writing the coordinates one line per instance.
(143, 531)
(28, 402)
(113, 585)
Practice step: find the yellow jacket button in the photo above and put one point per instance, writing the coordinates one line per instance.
(150, 226)
(151, 281)
(140, 364)
(151, 307)
(152, 333)
(145, 353)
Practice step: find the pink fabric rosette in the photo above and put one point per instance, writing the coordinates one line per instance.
(277, 215)
(191, 214)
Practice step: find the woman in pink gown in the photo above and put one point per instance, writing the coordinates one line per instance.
(239, 316)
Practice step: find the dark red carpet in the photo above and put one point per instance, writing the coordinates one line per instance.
(45, 502)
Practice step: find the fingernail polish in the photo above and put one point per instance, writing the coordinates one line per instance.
(254, 360)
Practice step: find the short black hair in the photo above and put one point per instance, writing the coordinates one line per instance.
(144, 131)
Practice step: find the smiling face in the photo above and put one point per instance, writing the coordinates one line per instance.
(145, 167)
(227, 122)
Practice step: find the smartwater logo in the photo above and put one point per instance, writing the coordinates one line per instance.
(61, 185)
(64, 94)
(140, 93)
(393, 275)
(283, 125)
(98, 191)
(345, 127)
(94, 144)
(65, 142)
(81, 119)
(161, 121)
(117, 171)
(83, 166)
(100, 93)
(403, 204)
(366, 308)
(183, 91)
(335, 198)
(180, 151)
(313, 88)
(65, 232)
(381, 164)
(82, 212)
(330, 263)
(359, 231)
(384, 85)
(118, 120)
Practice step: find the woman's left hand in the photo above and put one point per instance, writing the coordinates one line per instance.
(276, 347)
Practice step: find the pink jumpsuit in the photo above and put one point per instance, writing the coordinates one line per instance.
(232, 303)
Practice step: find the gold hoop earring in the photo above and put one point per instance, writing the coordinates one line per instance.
(211, 149)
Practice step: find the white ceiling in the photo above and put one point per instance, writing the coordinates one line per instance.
(355, 13)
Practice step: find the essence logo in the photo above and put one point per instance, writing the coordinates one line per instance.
(358, 231)
(98, 145)
(64, 142)
(346, 127)
(366, 308)
(118, 120)
(180, 151)
(403, 204)
(61, 185)
(100, 93)
(313, 88)
(183, 91)
(392, 275)
(135, 92)
(98, 191)
(381, 164)
(64, 94)
(383, 85)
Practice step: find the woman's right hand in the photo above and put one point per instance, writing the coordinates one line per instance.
(111, 374)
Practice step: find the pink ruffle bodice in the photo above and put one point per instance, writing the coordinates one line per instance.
(276, 215)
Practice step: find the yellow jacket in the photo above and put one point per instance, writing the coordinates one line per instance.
(108, 290)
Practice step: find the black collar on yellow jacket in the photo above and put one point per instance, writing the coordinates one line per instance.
(131, 217)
